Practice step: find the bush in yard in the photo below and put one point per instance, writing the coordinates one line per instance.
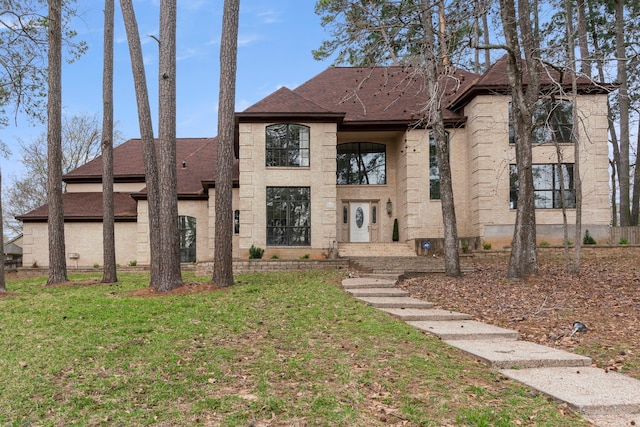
(588, 239)
(255, 252)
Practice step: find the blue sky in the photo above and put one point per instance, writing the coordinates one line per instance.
(274, 49)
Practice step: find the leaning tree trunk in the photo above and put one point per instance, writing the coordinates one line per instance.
(146, 134)
(109, 274)
(223, 262)
(170, 276)
(57, 260)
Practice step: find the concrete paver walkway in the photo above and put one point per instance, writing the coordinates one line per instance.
(606, 399)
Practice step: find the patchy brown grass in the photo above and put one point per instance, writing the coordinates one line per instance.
(605, 296)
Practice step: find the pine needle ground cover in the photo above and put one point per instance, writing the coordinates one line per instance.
(278, 349)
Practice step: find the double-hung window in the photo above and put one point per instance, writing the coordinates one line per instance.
(287, 145)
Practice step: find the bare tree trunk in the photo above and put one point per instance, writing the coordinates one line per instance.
(624, 176)
(523, 260)
(635, 200)
(223, 261)
(614, 194)
(109, 274)
(485, 29)
(57, 260)
(611, 123)
(3, 284)
(146, 134)
(586, 66)
(583, 43)
(563, 192)
(170, 276)
(435, 86)
(476, 36)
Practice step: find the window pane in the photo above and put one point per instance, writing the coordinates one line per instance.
(547, 186)
(288, 216)
(287, 145)
(552, 119)
(187, 230)
(361, 163)
(434, 169)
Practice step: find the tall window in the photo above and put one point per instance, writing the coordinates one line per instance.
(434, 169)
(287, 145)
(288, 216)
(361, 163)
(187, 228)
(546, 185)
(552, 119)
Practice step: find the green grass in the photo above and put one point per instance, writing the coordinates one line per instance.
(281, 348)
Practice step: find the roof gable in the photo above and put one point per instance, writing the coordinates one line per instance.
(284, 100)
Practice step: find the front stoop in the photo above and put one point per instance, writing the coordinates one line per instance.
(506, 354)
(592, 392)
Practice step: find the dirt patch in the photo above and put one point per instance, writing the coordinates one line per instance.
(605, 296)
(186, 289)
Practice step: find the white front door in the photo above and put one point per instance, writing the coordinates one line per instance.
(359, 222)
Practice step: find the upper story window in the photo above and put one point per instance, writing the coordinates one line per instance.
(287, 145)
(553, 122)
(547, 192)
(361, 163)
(434, 169)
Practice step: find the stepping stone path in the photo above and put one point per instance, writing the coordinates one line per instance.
(606, 399)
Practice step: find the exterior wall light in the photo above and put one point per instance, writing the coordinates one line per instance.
(389, 207)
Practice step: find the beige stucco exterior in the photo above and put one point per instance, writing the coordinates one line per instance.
(81, 238)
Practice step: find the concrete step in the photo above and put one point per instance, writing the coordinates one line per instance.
(378, 292)
(395, 302)
(433, 314)
(619, 420)
(375, 249)
(368, 282)
(508, 354)
(592, 392)
(464, 330)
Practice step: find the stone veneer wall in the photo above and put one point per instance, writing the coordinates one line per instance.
(320, 176)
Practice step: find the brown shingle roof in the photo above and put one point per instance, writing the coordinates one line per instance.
(195, 162)
(496, 80)
(363, 95)
(285, 101)
(86, 207)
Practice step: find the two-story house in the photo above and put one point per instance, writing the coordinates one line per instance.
(337, 161)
